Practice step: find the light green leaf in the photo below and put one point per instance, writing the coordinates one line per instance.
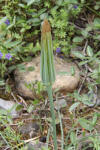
(43, 16)
(78, 54)
(71, 1)
(96, 7)
(73, 138)
(21, 67)
(77, 39)
(85, 124)
(84, 33)
(72, 71)
(3, 20)
(2, 82)
(89, 51)
(73, 106)
(96, 37)
(31, 68)
(30, 2)
(59, 2)
(11, 44)
(94, 118)
(96, 23)
(62, 73)
(21, 5)
(11, 68)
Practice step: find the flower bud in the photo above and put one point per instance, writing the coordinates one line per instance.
(47, 62)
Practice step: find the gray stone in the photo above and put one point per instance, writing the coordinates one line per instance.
(9, 106)
(58, 104)
(36, 146)
(67, 76)
(32, 129)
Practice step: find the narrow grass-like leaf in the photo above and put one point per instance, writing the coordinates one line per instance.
(47, 69)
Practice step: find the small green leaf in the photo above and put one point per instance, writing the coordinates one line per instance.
(21, 5)
(72, 71)
(30, 2)
(21, 67)
(62, 73)
(77, 39)
(96, 37)
(89, 51)
(96, 23)
(11, 44)
(73, 106)
(85, 124)
(84, 33)
(11, 68)
(94, 119)
(43, 16)
(31, 68)
(96, 7)
(30, 108)
(3, 20)
(2, 82)
(71, 1)
(78, 54)
(19, 107)
(59, 2)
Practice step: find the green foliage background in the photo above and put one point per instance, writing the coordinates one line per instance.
(22, 37)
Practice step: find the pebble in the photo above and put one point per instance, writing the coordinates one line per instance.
(8, 106)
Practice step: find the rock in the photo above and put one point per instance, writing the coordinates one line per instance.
(8, 106)
(36, 146)
(58, 104)
(65, 78)
(98, 98)
(31, 129)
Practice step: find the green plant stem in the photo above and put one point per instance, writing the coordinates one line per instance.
(48, 135)
(4, 140)
(93, 10)
(62, 133)
(49, 90)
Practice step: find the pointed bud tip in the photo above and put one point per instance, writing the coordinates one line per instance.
(46, 26)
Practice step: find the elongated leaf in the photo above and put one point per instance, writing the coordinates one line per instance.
(11, 44)
(73, 138)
